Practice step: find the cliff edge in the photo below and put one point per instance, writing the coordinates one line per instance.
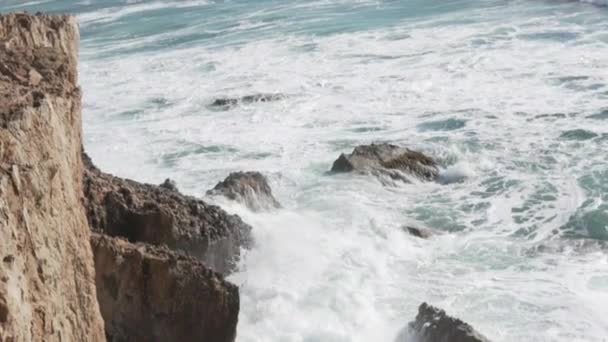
(47, 277)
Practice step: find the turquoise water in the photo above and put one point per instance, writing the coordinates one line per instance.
(510, 96)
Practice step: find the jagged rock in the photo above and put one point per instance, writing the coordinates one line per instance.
(229, 102)
(47, 289)
(249, 188)
(434, 325)
(169, 184)
(388, 162)
(150, 293)
(423, 233)
(149, 213)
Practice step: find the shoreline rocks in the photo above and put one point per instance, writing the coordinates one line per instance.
(249, 188)
(59, 281)
(150, 293)
(387, 162)
(160, 216)
(434, 325)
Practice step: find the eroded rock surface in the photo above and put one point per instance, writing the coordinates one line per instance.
(434, 325)
(47, 289)
(149, 293)
(161, 216)
(388, 162)
(249, 188)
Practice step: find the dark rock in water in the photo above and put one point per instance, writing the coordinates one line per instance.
(434, 325)
(249, 188)
(150, 293)
(391, 161)
(228, 102)
(151, 214)
(423, 233)
(169, 184)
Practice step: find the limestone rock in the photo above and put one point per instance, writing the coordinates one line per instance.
(434, 325)
(250, 188)
(149, 293)
(149, 213)
(388, 162)
(47, 289)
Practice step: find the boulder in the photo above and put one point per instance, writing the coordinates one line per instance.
(434, 325)
(150, 293)
(250, 188)
(388, 162)
(47, 289)
(159, 216)
(229, 102)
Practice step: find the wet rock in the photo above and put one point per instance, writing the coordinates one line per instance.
(229, 102)
(47, 289)
(434, 325)
(151, 214)
(249, 188)
(423, 233)
(149, 293)
(169, 184)
(388, 162)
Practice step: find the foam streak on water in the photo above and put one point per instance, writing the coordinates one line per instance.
(510, 96)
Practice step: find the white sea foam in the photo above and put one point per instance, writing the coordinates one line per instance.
(111, 14)
(490, 97)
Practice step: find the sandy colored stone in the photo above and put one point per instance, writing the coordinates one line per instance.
(47, 289)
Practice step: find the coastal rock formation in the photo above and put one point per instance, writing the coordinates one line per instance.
(161, 216)
(47, 289)
(388, 162)
(229, 102)
(149, 293)
(434, 325)
(249, 188)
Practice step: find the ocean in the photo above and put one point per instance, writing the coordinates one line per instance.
(510, 96)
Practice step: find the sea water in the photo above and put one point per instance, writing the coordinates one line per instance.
(511, 97)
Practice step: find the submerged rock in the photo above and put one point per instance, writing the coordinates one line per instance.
(228, 102)
(388, 162)
(423, 233)
(47, 289)
(434, 325)
(149, 293)
(149, 213)
(250, 188)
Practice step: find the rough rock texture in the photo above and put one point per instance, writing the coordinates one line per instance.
(47, 289)
(249, 188)
(388, 162)
(434, 325)
(150, 293)
(229, 102)
(160, 216)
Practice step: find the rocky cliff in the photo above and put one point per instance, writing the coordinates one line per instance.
(53, 285)
(47, 289)
(150, 293)
(159, 215)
